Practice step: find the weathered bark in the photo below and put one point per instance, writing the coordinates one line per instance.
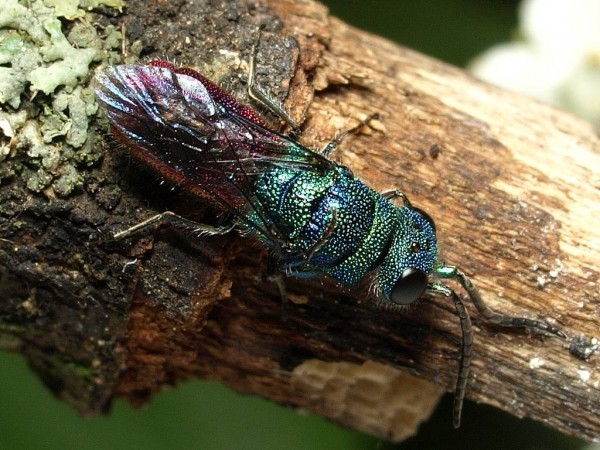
(512, 184)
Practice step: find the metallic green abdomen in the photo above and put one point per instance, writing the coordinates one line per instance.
(333, 222)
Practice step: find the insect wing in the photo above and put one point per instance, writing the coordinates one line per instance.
(172, 122)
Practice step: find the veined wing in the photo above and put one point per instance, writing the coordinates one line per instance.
(195, 134)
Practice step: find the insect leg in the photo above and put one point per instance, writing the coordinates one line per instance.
(257, 94)
(447, 272)
(397, 193)
(298, 263)
(330, 148)
(279, 281)
(323, 239)
(175, 220)
(466, 348)
(504, 320)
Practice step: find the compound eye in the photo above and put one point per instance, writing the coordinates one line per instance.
(409, 287)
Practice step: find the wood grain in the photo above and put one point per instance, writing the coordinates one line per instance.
(512, 184)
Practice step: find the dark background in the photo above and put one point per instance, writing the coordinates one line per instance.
(203, 415)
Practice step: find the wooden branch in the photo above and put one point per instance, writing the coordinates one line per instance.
(512, 185)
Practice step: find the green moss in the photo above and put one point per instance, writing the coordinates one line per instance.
(46, 97)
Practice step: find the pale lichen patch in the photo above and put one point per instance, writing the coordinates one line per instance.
(46, 97)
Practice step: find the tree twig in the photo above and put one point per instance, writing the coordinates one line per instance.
(512, 185)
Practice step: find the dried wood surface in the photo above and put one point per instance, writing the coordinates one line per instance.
(513, 185)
